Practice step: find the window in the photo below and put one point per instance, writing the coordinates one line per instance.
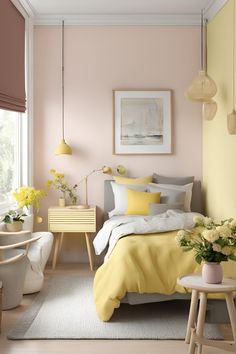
(13, 155)
(16, 132)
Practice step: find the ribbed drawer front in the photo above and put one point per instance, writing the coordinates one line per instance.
(72, 220)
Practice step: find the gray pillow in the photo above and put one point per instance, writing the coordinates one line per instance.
(156, 209)
(172, 180)
(168, 196)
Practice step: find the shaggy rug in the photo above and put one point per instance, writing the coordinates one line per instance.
(65, 310)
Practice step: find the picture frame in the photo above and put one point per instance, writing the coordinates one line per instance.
(142, 122)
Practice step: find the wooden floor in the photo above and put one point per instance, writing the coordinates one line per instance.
(85, 346)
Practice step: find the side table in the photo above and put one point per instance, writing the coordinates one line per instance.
(200, 289)
(0, 306)
(71, 219)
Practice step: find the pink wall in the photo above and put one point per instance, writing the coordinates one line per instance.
(97, 61)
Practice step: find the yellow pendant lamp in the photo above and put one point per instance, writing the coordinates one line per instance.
(231, 117)
(63, 148)
(202, 88)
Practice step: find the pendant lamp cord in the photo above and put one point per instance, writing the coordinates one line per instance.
(62, 79)
(201, 39)
(234, 56)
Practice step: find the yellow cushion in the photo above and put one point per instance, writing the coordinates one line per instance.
(138, 202)
(127, 180)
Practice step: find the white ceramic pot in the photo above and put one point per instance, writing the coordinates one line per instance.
(212, 273)
(61, 202)
(14, 227)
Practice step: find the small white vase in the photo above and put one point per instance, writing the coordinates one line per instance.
(14, 227)
(212, 273)
(61, 202)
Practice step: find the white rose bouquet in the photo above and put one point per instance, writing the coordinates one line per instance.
(211, 241)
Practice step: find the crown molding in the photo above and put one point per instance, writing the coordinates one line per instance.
(122, 19)
(119, 20)
(214, 7)
(28, 8)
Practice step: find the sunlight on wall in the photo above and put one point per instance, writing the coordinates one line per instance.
(219, 148)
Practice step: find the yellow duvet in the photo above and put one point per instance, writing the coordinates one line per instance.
(144, 264)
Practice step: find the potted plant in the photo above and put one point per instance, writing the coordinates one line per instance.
(212, 242)
(62, 185)
(28, 199)
(14, 220)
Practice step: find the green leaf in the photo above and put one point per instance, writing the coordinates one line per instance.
(186, 249)
(198, 259)
(232, 257)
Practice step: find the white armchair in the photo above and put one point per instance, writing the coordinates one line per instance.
(38, 253)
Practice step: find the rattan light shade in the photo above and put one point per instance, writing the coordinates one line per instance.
(209, 109)
(231, 122)
(202, 88)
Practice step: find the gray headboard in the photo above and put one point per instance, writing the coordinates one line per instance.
(196, 204)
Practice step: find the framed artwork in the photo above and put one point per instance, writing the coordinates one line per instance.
(142, 122)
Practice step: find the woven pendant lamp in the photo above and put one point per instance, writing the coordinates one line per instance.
(209, 109)
(231, 117)
(63, 148)
(202, 88)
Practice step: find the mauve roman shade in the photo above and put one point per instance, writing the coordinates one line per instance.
(12, 58)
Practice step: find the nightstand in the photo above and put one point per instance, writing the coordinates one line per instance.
(71, 219)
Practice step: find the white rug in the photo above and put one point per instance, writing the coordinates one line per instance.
(65, 310)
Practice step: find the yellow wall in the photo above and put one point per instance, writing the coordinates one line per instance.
(219, 148)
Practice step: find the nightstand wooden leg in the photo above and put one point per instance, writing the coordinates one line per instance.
(232, 313)
(61, 241)
(201, 320)
(192, 315)
(55, 254)
(89, 250)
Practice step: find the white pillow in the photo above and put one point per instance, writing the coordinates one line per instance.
(187, 188)
(121, 197)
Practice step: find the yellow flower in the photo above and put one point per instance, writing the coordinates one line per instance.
(49, 183)
(53, 171)
(226, 250)
(28, 196)
(59, 175)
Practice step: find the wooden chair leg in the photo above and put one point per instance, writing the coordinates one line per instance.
(192, 315)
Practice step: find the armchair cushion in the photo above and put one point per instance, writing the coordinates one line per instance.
(38, 255)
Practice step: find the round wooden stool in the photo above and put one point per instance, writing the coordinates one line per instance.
(200, 289)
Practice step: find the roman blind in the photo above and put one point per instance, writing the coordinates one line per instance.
(12, 58)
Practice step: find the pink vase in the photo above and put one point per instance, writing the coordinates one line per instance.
(212, 273)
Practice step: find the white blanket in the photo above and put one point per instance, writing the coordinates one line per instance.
(119, 226)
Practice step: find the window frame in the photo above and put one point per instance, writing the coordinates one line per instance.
(25, 131)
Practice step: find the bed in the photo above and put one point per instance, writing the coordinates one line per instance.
(140, 268)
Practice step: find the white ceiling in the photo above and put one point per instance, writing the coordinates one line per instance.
(187, 10)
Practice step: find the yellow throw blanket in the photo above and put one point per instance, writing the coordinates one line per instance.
(144, 264)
